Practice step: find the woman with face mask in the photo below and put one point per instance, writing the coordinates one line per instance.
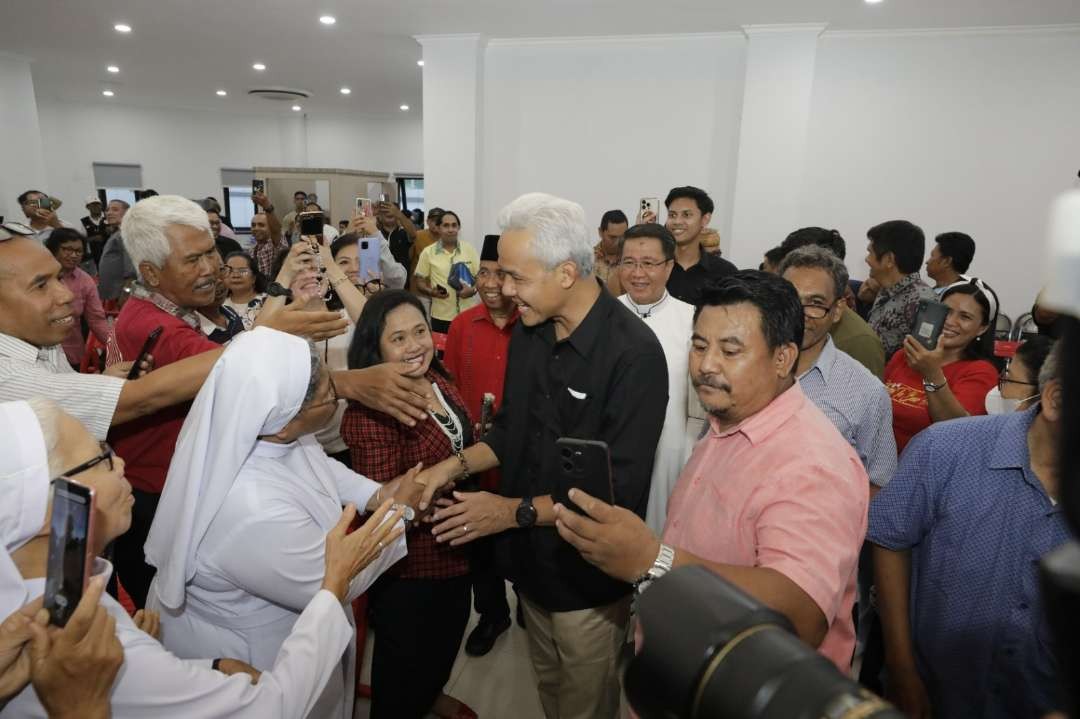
(951, 380)
(1018, 386)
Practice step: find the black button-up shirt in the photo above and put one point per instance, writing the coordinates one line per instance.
(607, 381)
(686, 285)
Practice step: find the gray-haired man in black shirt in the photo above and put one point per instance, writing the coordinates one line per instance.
(580, 365)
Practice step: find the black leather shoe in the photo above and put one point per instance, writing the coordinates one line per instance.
(482, 639)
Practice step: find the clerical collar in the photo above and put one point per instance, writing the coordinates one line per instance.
(645, 311)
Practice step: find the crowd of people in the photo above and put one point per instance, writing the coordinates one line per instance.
(289, 449)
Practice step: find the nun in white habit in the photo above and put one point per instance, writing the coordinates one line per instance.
(152, 682)
(239, 534)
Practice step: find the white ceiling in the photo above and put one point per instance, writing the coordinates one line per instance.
(181, 51)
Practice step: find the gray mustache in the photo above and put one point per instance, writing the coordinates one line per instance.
(710, 382)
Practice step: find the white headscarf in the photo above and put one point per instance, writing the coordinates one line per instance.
(254, 389)
(24, 494)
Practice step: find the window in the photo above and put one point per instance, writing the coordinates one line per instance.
(117, 182)
(411, 192)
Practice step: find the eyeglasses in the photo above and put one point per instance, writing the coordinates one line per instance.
(647, 265)
(238, 271)
(373, 286)
(72, 251)
(1003, 379)
(818, 311)
(106, 455)
(333, 395)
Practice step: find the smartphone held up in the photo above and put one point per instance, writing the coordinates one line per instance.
(71, 548)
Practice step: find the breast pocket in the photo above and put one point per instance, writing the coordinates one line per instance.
(574, 407)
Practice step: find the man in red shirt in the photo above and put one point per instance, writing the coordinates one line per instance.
(476, 351)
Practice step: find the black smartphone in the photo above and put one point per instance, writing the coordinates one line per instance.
(443, 292)
(148, 345)
(584, 464)
(311, 223)
(487, 408)
(257, 186)
(100, 360)
(71, 542)
(929, 321)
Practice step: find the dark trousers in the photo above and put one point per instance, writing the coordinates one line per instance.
(131, 567)
(441, 326)
(488, 588)
(419, 624)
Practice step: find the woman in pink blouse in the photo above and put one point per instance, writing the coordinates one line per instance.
(68, 247)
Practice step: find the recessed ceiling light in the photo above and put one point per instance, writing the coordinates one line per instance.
(420, 63)
(404, 107)
(121, 27)
(872, 2)
(107, 93)
(297, 108)
(258, 66)
(328, 19)
(345, 91)
(222, 93)
(113, 69)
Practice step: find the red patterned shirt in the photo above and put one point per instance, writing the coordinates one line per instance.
(383, 448)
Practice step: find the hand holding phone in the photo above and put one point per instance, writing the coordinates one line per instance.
(148, 345)
(311, 224)
(584, 464)
(441, 292)
(649, 209)
(71, 547)
(363, 207)
(929, 322)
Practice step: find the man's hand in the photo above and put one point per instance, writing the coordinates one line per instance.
(300, 258)
(15, 634)
(348, 553)
(149, 621)
(467, 291)
(295, 320)
(260, 199)
(907, 691)
(363, 225)
(73, 668)
(473, 515)
(926, 362)
(235, 666)
(646, 217)
(49, 217)
(121, 369)
(386, 388)
(613, 539)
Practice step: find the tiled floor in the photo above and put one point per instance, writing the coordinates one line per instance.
(500, 685)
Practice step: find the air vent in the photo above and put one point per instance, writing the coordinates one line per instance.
(281, 94)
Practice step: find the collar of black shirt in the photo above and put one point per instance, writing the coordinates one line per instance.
(583, 339)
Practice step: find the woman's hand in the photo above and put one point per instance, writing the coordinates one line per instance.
(348, 554)
(15, 635)
(149, 621)
(926, 362)
(402, 490)
(300, 258)
(363, 225)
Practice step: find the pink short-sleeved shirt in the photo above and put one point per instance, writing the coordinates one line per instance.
(782, 490)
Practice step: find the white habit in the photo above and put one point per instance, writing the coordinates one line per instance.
(672, 321)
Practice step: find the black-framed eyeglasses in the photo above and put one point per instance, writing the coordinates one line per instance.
(818, 312)
(106, 455)
(647, 265)
(1003, 379)
(373, 286)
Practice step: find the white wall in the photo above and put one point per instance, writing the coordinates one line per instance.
(183, 151)
(607, 122)
(974, 132)
(20, 136)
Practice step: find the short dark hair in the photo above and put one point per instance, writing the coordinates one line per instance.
(343, 241)
(449, 212)
(704, 202)
(775, 256)
(227, 246)
(775, 298)
(958, 247)
(435, 212)
(829, 239)
(364, 349)
(313, 204)
(261, 282)
(982, 347)
(905, 240)
(1033, 352)
(613, 217)
(299, 193)
(61, 236)
(820, 258)
(651, 231)
(26, 195)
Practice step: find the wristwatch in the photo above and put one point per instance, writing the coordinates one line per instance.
(931, 387)
(526, 513)
(664, 559)
(274, 289)
(409, 514)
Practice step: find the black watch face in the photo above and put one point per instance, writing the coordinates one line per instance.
(526, 515)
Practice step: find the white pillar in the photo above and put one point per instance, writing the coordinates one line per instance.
(772, 137)
(453, 119)
(20, 136)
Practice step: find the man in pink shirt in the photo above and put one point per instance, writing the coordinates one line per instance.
(773, 498)
(68, 247)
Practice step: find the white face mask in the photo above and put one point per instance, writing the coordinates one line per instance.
(996, 404)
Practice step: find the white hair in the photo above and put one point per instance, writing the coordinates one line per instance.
(1051, 367)
(48, 416)
(143, 227)
(559, 231)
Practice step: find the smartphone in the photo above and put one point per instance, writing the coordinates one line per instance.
(443, 292)
(650, 204)
(148, 345)
(369, 259)
(363, 206)
(71, 542)
(384, 197)
(258, 186)
(584, 464)
(100, 360)
(487, 408)
(311, 223)
(929, 321)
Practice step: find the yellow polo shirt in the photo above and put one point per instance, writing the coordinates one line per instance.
(434, 264)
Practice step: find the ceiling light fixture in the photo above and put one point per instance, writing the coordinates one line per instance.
(404, 108)
(328, 19)
(420, 63)
(872, 2)
(222, 93)
(345, 91)
(297, 108)
(107, 93)
(122, 27)
(258, 66)
(113, 69)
